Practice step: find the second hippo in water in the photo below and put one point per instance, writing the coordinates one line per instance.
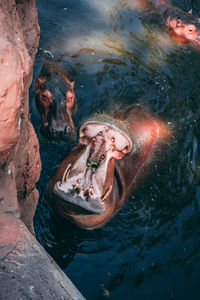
(184, 27)
(92, 183)
(55, 100)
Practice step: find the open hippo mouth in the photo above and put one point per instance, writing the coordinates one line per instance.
(87, 180)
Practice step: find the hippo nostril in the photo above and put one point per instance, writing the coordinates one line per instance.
(52, 129)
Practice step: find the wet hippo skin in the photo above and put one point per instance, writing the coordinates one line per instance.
(92, 183)
(55, 100)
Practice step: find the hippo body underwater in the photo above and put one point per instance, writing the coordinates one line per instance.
(55, 100)
(93, 181)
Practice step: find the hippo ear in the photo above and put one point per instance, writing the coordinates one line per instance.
(190, 12)
(72, 85)
(39, 81)
(67, 79)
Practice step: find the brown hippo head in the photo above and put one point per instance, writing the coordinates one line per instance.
(55, 100)
(184, 28)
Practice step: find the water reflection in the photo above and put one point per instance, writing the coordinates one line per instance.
(120, 56)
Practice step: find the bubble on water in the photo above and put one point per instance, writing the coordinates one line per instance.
(31, 289)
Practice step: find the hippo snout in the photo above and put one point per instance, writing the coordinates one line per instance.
(61, 133)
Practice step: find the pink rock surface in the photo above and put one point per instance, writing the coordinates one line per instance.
(19, 149)
(26, 270)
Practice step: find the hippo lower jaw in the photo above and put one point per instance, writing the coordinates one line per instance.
(69, 201)
(83, 187)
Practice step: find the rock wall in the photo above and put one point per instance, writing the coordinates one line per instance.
(19, 149)
(26, 270)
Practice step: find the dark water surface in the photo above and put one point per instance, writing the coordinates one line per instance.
(117, 55)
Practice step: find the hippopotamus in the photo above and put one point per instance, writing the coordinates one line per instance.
(183, 27)
(55, 100)
(93, 181)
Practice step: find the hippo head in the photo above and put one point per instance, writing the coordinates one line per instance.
(55, 100)
(184, 29)
(85, 181)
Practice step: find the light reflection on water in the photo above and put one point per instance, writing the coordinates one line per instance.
(121, 56)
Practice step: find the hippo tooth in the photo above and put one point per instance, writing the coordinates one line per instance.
(125, 150)
(66, 174)
(105, 195)
(82, 134)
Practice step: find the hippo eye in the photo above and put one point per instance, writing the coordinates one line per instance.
(70, 99)
(45, 98)
(69, 96)
(102, 156)
(191, 28)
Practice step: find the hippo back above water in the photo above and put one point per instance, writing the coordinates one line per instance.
(92, 183)
(55, 100)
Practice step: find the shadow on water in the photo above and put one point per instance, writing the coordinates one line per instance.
(118, 56)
